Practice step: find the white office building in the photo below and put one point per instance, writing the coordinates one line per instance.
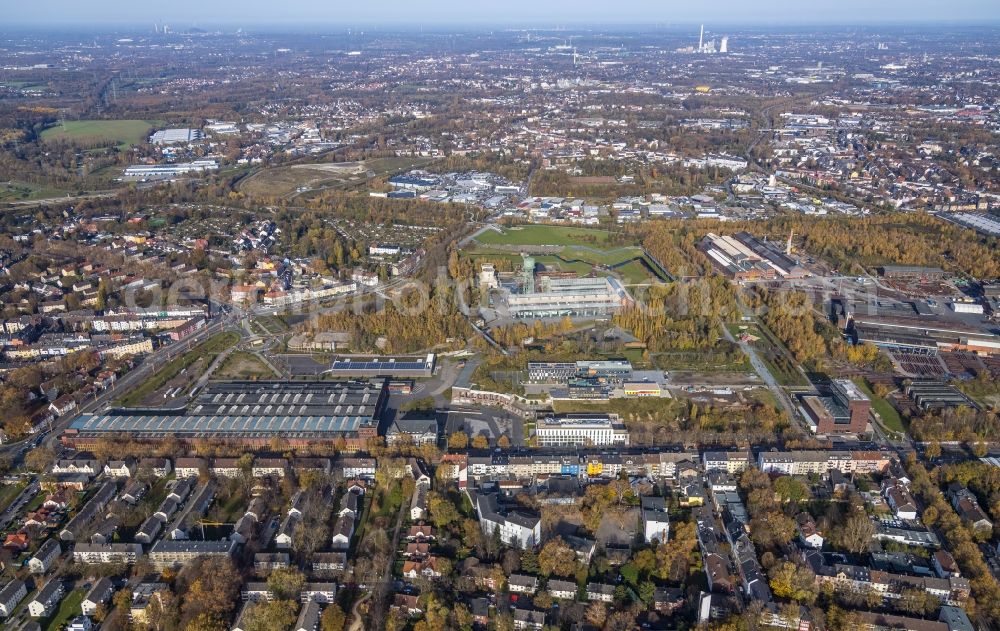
(581, 430)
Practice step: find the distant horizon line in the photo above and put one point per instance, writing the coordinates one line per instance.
(272, 26)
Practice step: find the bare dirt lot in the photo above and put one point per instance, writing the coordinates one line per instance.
(619, 527)
(243, 366)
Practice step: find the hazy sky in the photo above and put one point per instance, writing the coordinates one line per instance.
(184, 13)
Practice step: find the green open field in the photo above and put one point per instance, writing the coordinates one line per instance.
(119, 132)
(208, 349)
(287, 180)
(13, 191)
(545, 235)
(581, 250)
(889, 415)
(634, 272)
(231, 510)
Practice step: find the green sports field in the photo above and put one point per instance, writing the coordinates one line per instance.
(119, 132)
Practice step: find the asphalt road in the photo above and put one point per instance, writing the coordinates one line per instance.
(19, 502)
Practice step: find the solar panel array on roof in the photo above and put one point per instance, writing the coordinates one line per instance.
(377, 365)
(382, 365)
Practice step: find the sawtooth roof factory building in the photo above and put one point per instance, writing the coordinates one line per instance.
(250, 413)
(745, 257)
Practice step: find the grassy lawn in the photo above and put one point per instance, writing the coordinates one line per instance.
(157, 493)
(634, 355)
(208, 349)
(280, 181)
(567, 406)
(19, 191)
(890, 417)
(765, 396)
(233, 509)
(737, 329)
(613, 255)
(378, 510)
(119, 132)
(68, 608)
(581, 260)
(582, 250)
(362, 530)
(633, 272)
(545, 235)
(552, 262)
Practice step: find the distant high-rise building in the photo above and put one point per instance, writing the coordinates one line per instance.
(724, 46)
(701, 39)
